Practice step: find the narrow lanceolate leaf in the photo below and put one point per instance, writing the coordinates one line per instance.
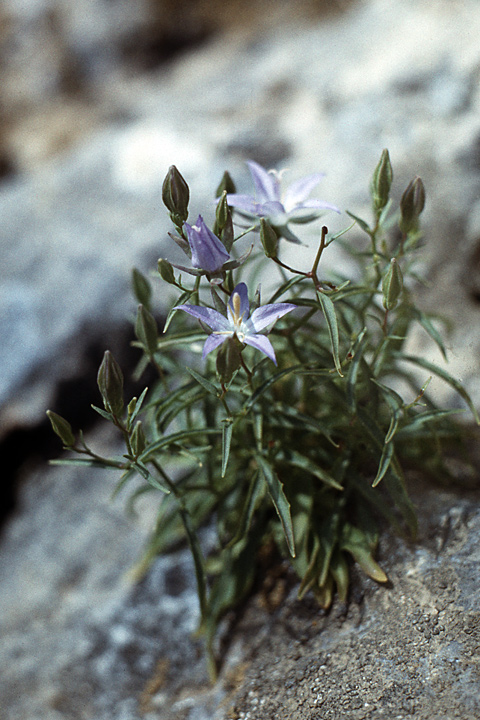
(174, 438)
(441, 373)
(227, 432)
(385, 460)
(209, 386)
(332, 325)
(181, 300)
(198, 560)
(282, 506)
(361, 222)
(256, 493)
(354, 369)
(427, 325)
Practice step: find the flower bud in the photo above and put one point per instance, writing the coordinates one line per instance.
(221, 213)
(392, 285)
(268, 238)
(166, 271)
(176, 195)
(110, 384)
(226, 185)
(141, 287)
(146, 330)
(62, 428)
(382, 182)
(137, 439)
(208, 252)
(411, 205)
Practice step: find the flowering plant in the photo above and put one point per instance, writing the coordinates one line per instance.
(287, 425)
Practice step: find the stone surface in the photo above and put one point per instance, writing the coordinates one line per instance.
(79, 641)
(410, 650)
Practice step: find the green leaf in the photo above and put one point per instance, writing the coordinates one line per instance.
(282, 506)
(296, 459)
(181, 301)
(430, 328)
(268, 383)
(227, 431)
(175, 438)
(385, 460)
(103, 413)
(198, 559)
(332, 325)
(138, 406)
(420, 419)
(209, 386)
(256, 493)
(357, 352)
(360, 547)
(453, 382)
(361, 222)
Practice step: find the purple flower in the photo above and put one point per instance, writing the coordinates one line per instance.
(208, 253)
(294, 206)
(238, 322)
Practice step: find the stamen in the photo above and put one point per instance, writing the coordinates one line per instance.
(236, 302)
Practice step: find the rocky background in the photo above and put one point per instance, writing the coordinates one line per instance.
(98, 98)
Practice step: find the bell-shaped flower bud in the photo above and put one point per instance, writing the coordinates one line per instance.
(208, 252)
(110, 384)
(226, 185)
(137, 439)
(411, 205)
(268, 238)
(62, 428)
(392, 285)
(166, 271)
(146, 330)
(141, 287)
(382, 182)
(176, 195)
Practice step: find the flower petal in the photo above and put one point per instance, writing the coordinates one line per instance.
(210, 317)
(266, 185)
(265, 315)
(212, 342)
(242, 291)
(298, 191)
(244, 203)
(262, 343)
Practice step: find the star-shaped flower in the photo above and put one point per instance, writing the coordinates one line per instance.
(268, 202)
(238, 323)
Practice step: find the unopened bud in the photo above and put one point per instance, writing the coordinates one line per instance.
(110, 384)
(166, 271)
(62, 428)
(221, 213)
(411, 205)
(141, 287)
(176, 195)
(392, 285)
(146, 330)
(137, 439)
(268, 238)
(226, 185)
(382, 182)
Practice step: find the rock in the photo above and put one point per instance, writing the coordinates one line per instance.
(408, 650)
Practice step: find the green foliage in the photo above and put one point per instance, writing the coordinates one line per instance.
(308, 454)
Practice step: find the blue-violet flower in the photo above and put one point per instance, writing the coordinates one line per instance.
(208, 253)
(247, 329)
(294, 206)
